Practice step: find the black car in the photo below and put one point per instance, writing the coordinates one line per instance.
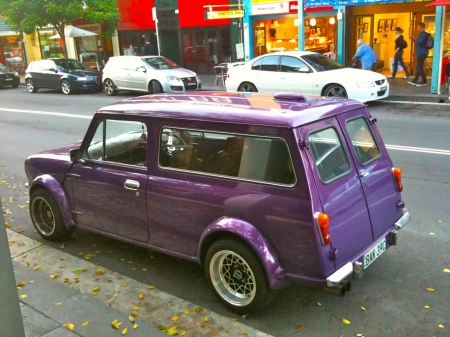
(8, 77)
(69, 75)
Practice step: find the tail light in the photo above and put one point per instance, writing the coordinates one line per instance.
(228, 75)
(323, 221)
(398, 178)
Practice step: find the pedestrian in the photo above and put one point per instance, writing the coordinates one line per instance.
(149, 48)
(100, 58)
(365, 52)
(400, 44)
(421, 55)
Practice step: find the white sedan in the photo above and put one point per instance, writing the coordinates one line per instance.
(307, 73)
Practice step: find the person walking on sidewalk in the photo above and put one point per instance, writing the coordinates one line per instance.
(365, 52)
(421, 54)
(400, 44)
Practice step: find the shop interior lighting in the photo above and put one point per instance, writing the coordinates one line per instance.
(332, 21)
(312, 22)
(296, 22)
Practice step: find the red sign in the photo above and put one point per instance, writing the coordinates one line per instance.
(135, 14)
(293, 8)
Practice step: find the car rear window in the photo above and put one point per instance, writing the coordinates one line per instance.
(362, 139)
(243, 157)
(329, 156)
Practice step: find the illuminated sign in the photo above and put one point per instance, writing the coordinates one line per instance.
(233, 14)
(270, 8)
(320, 3)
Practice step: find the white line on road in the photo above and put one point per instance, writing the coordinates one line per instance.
(411, 102)
(390, 147)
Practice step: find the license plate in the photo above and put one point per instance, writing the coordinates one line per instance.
(383, 88)
(374, 253)
(9, 79)
(192, 83)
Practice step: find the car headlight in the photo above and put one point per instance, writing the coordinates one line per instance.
(16, 74)
(173, 79)
(365, 84)
(82, 79)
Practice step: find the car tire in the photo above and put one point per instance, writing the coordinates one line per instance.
(15, 85)
(110, 87)
(31, 88)
(247, 87)
(46, 216)
(66, 87)
(154, 87)
(335, 90)
(227, 283)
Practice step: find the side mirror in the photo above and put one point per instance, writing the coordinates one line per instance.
(141, 69)
(53, 69)
(75, 155)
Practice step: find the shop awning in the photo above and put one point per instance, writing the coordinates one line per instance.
(439, 3)
(78, 32)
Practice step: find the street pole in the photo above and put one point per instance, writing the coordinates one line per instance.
(301, 26)
(155, 18)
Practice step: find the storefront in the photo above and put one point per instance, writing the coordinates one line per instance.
(275, 28)
(11, 53)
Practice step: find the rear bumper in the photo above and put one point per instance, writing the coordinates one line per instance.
(354, 269)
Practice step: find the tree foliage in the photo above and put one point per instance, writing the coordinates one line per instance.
(29, 15)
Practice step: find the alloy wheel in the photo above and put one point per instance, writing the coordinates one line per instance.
(43, 216)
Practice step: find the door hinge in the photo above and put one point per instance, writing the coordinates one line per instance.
(372, 120)
(333, 255)
(303, 144)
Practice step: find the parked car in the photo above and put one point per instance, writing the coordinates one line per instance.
(306, 73)
(260, 190)
(69, 75)
(8, 77)
(153, 74)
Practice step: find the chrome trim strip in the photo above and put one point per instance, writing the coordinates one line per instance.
(402, 221)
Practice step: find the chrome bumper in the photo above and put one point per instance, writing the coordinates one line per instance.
(340, 275)
(402, 221)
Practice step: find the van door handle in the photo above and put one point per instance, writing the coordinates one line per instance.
(363, 175)
(131, 184)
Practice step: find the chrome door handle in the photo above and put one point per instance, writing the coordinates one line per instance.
(363, 175)
(131, 184)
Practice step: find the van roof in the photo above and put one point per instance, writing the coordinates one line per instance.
(279, 110)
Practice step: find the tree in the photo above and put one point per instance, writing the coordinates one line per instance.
(25, 16)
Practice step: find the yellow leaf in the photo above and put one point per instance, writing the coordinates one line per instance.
(134, 313)
(99, 272)
(23, 296)
(21, 284)
(97, 288)
(40, 253)
(136, 308)
(172, 331)
(85, 324)
(363, 309)
(130, 262)
(175, 318)
(125, 284)
(430, 289)
(245, 333)
(135, 326)
(71, 326)
(131, 319)
(8, 224)
(446, 270)
(63, 246)
(318, 303)
(141, 296)
(198, 309)
(441, 326)
(244, 316)
(226, 330)
(206, 319)
(114, 322)
(94, 294)
(53, 276)
(58, 304)
(432, 234)
(36, 268)
(151, 287)
(345, 321)
(426, 307)
(234, 319)
(66, 280)
(183, 333)
(186, 312)
(144, 269)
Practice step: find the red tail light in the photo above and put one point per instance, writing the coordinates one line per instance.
(398, 178)
(323, 221)
(228, 75)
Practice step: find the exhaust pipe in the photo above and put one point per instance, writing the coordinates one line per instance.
(337, 290)
(346, 284)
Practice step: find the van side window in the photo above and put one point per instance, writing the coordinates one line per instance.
(363, 142)
(118, 141)
(329, 155)
(238, 156)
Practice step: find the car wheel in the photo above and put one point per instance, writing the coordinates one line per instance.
(65, 87)
(15, 85)
(237, 276)
(247, 87)
(335, 90)
(30, 86)
(155, 87)
(110, 88)
(46, 216)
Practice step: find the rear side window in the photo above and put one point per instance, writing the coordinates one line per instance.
(329, 155)
(257, 65)
(270, 63)
(362, 139)
(260, 159)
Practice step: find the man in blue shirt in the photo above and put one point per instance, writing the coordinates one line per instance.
(421, 54)
(365, 52)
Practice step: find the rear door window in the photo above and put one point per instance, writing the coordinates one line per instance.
(270, 63)
(362, 139)
(329, 156)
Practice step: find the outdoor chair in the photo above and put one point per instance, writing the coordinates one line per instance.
(221, 75)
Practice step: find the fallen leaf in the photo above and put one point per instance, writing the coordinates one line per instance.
(19, 288)
(21, 206)
(59, 304)
(441, 326)
(97, 288)
(151, 287)
(8, 224)
(183, 333)
(131, 319)
(363, 309)
(99, 272)
(186, 312)
(63, 246)
(62, 267)
(430, 289)
(432, 234)
(94, 294)
(66, 280)
(53, 276)
(426, 307)
(299, 327)
(130, 262)
(136, 308)
(245, 333)
(36, 268)
(144, 269)
(359, 335)
(141, 296)
(116, 324)
(345, 321)
(21, 284)
(85, 324)
(40, 253)
(134, 313)
(125, 284)
(175, 318)
(124, 332)
(234, 319)
(79, 271)
(20, 231)
(172, 331)
(244, 316)
(70, 326)
(446, 270)
(23, 296)
(161, 327)
(198, 309)
(318, 303)
(206, 319)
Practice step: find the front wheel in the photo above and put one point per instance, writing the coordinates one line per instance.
(335, 90)
(237, 276)
(154, 87)
(30, 86)
(65, 87)
(46, 216)
(110, 88)
(247, 87)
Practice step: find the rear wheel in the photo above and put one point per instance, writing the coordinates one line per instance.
(154, 87)
(16, 84)
(237, 276)
(110, 88)
(247, 87)
(30, 86)
(65, 87)
(46, 216)
(335, 90)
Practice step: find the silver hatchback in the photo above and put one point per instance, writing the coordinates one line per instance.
(154, 74)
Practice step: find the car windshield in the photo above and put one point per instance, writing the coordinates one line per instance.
(321, 63)
(2, 66)
(160, 63)
(70, 64)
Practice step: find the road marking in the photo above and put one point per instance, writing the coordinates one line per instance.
(411, 102)
(390, 147)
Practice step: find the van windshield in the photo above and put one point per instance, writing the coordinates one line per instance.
(160, 63)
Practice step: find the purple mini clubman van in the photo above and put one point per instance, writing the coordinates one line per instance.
(260, 190)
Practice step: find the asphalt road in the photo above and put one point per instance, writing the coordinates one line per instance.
(393, 290)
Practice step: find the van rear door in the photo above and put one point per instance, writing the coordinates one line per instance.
(339, 189)
(374, 169)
